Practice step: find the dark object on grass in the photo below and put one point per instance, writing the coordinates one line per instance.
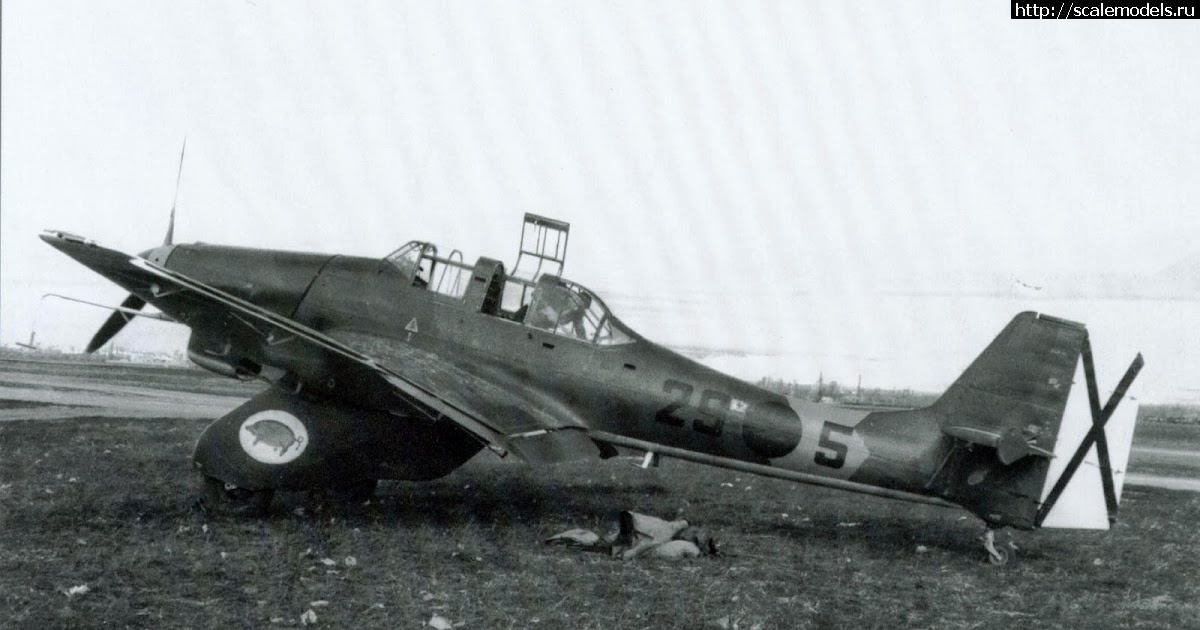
(702, 537)
(640, 534)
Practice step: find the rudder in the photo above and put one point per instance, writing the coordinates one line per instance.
(1019, 434)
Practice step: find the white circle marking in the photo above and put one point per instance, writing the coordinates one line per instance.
(273, 436)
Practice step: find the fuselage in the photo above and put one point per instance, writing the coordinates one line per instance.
(623, 387)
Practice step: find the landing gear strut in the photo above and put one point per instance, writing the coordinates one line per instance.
(998, 554)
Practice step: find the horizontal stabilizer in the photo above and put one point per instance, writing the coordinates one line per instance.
(1010, 445)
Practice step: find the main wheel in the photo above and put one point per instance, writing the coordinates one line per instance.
(223, 497)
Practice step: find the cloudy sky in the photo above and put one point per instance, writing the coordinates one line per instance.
(743, 149)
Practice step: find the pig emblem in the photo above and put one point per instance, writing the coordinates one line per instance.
(273, 436)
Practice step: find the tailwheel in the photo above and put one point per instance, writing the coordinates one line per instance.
(998, 554)
(1001, 555)
(227, 498)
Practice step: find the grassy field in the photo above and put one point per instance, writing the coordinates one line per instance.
(110, 504)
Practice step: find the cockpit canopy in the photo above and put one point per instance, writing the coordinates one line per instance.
(568, 309)
(550, 303)
(416, 261)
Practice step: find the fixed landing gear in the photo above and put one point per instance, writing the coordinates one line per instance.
(226, 498)
(999, 553)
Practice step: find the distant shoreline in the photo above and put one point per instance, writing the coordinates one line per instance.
(874, 398)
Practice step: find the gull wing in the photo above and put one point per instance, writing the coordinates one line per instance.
(421, 381)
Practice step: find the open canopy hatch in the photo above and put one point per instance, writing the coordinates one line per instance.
(543, 247)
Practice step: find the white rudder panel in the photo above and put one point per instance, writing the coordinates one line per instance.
(1082, 504)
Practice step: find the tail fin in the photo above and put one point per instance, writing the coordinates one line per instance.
(1023, 433)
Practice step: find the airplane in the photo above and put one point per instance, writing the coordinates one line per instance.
(405, 367)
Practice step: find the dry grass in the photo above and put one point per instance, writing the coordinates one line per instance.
(111, 504)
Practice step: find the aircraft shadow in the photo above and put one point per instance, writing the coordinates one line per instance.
(515, 497)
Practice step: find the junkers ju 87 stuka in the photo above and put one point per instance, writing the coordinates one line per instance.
(406, 366)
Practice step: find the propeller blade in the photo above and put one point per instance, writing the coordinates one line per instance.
(179, 175)
(115, 323)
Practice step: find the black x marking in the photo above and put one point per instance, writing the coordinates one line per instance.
(1094, 436)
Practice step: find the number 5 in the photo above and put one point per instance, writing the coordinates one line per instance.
(839, 448)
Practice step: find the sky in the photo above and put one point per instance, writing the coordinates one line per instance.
(724, 166)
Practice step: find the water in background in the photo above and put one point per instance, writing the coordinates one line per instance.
(921, 342)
